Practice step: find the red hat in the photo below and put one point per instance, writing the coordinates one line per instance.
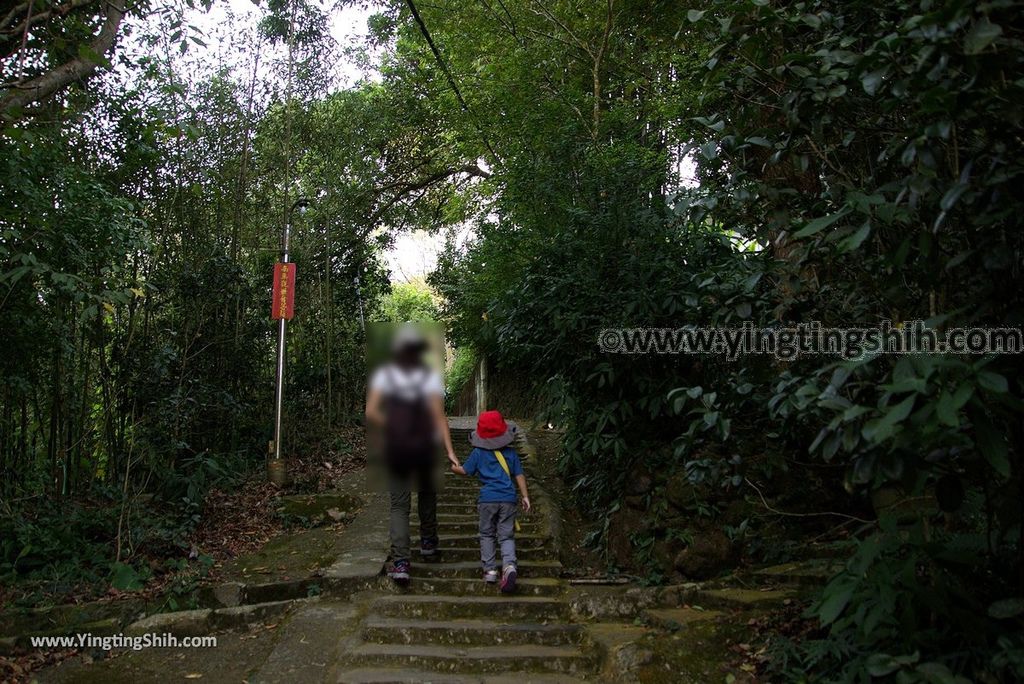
(492, 432)
(490, 424)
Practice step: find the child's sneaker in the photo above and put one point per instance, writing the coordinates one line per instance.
(428, 547)
(399, 572)
(508, 579)
(490, 576)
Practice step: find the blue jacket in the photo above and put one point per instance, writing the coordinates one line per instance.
(495, 485)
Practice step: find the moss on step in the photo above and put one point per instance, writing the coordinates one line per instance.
(742, 598)
(700, 653)
(290, 556)
(679, 618)
(810, 572)
(320, 508)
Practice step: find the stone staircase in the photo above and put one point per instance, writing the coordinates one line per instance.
(450, 626)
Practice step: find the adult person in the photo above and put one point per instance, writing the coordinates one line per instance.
(405, 403)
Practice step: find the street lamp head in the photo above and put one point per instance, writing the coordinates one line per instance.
(301, 205)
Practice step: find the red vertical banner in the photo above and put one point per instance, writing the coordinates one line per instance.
(283, 305)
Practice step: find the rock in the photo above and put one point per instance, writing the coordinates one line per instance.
(640, 484)
(664, 553)
(680, 492)
(622, 524)
(736, 512)
(709, 554)
(223, 595)
(632, 656)
(247, 615)
(183, 623)
(609, 603)
(637, 503)
(285, 590)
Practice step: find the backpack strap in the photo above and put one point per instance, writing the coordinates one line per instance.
(504, 466)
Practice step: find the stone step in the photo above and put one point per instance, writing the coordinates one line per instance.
(446, 553)
(523, 541)
(802, 573)
(469, 632)
(495, 607)
(741, 598)
(471, 569)
(456, 529)
(679, 618)
(463, 512)
(460, 495)
(451, 530)
(475, 586)
(482, 659)
(473, 517)
(371, 675)
(453, 517)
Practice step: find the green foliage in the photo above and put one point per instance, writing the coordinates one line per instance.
(909, 607)
(54, 549)
(855, 163)
(408, 302)
(460, 372)
(137, 235)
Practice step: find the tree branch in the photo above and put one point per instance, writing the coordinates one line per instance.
(73, 70)
(36, 17)
(423, 183)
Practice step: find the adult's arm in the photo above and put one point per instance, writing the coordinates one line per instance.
(441, 421)
(374, 412)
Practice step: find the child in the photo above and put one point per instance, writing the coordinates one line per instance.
(496, 465)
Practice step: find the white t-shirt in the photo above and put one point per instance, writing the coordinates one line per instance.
(392, 380)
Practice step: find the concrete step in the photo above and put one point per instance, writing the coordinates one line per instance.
(808, 573)
(468, 553)
(453, 529)
(460, 505)
(741, 598)
(450, 529)
(523, 541)
(474, 516)
(461, 512)
(472, 659)
(371, 675)
(469, 632)
(471, 569)
(452, 517)
(475, 586)
(495, 607)
(679, 618)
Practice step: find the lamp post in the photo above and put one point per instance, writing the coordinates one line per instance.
(276, 470)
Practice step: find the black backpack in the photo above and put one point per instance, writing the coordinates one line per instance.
(409, 426)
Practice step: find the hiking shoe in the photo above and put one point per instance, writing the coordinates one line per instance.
(490, 576)
(508, 579)
(399, 572)
(428, 547)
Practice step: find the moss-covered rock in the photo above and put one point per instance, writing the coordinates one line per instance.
(708, 554)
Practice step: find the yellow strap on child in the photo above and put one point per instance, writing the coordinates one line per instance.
(504, 466)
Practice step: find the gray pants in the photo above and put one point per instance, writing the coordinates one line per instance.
(402, 483)
(497, 528)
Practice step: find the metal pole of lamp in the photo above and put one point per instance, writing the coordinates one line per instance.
(277, 471)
